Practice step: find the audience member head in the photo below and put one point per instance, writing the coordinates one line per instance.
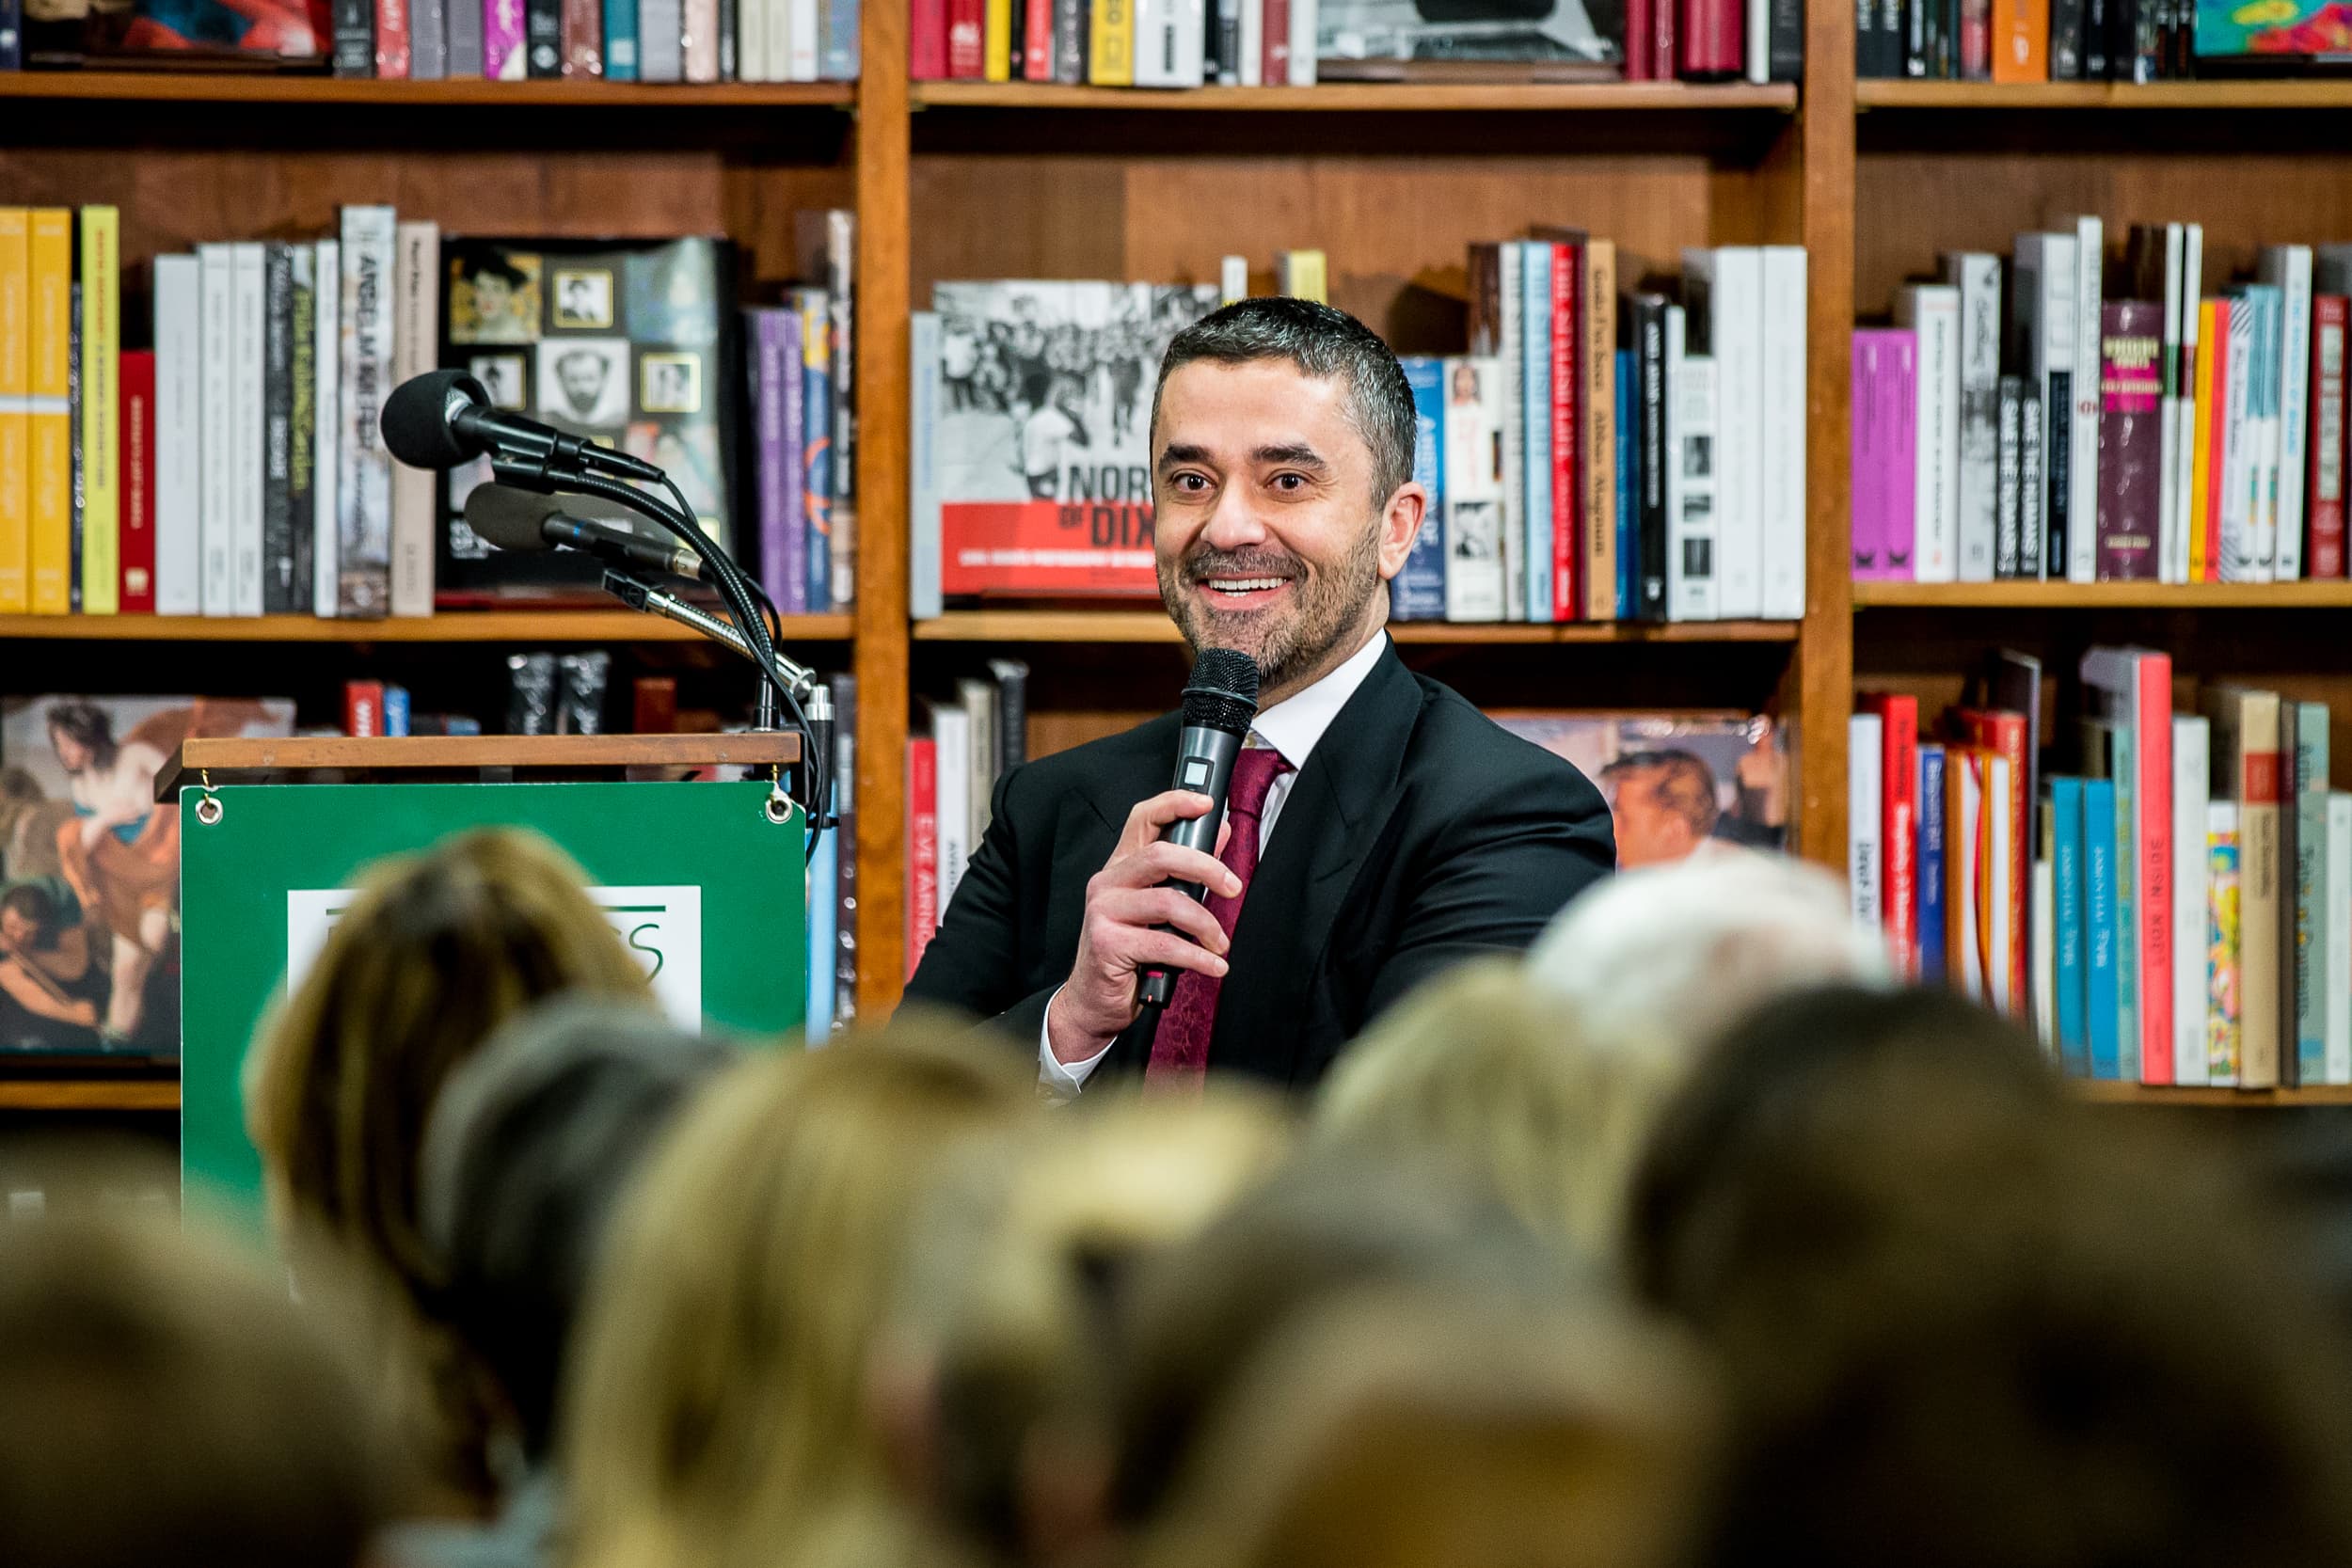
(1486, 1070)
(1659, 960)
(163, 1400)
(997, 1357)
(1328, 1226)
(717, 1413)
(436, 952)
(1431, 1430)
(528, 1150)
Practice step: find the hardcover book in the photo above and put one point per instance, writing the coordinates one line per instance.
(2131, 446)
(364, 522)
(1419, 591)
(1499, 39)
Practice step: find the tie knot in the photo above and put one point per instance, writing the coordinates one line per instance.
(1254, 772)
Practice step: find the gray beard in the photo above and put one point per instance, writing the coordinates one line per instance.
(1330, 605)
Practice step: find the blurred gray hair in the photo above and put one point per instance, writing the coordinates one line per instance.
(1660, 960)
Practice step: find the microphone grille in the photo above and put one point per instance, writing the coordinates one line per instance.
(1223, 691)
(415, 420)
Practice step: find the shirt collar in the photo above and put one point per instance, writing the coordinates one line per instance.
(1294, 726)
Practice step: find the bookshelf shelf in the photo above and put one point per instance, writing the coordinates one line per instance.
(2105, 1093)
(497, 626)
(89, 1094)
(1141, 626)
(155, 87)
(2103, 595)
(2164, 96)
(1365, 97)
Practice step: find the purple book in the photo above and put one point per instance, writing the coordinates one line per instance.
(1885, 450)
(503, 53)
(776, 399)
(2131, 464)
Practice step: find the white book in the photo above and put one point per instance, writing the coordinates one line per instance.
(1168, 44)
(1865, 868)
(1232, 279)
(2192, 780)
(364, 489)
(1475, 523)
(1964, 828)
(1977, 276)
(923, 595)
(2000, 988)
(2240, 450)
(416, 336)
(752, 42)
(1305, 17)
(799, 20)
(2178, 413)
(951, 728)
(2038, 916)
(1512, 350)
(1692, 536)
(2337, 961)
(2082, 530)
(249, 325)
(1759, 41)
(2044, 301)
(1252, 49)
(1726, 285)
(1931, 311)
(179, 435)
(2184, 457)
(981, 763)
(775, 38)
(216, 528)
(325, 470)
(1784, 445)
(2289, 266)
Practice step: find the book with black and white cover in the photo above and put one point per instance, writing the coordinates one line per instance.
(1723, 294)
(2192, 354)
(2289, 268)
(2042, 284)
(278, 546)
(248, 348)
(2008, 402)
(364, 487)
(326, 270)
(1866, 863)
(923, 412)
(1476, 523)
(1692, 587)
(1784, 431)
(2033, 487)
(1169, 35)
(2082, 536)
(2240, 450)
(1932, 311)
(1977, 276)
(416, 320)
(289, 589)
(178, 293)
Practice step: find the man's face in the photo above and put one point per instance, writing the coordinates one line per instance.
(1649, 833)
(1270, 539)
(583, 380)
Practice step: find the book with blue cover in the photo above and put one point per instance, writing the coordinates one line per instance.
(1419, 592)
(1535, 447)
(2103, 931)
(2067, 887)
(1930, 871)
(1628, 484)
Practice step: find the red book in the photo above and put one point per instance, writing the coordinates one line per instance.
(137, 370)
(1713, 36)
(391, 41)
(2323, 555)
(583, 37)
(1036, 65)
(1274, 61)
(922, 846)
(363, 708)
(1640, 60)
(653, 705)
(1665, 26)
(2135, 689)
(2004, 734)
(1568, 403)
(967, 38)
(927, 40)
(1898, 819)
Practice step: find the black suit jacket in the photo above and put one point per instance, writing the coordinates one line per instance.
(1418, 833)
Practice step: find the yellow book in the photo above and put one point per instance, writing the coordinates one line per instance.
(50, 465)
(102, 411)
(1302, 276)
(1111, 46)
(16, 497)
(996, 41)
(2201, 453)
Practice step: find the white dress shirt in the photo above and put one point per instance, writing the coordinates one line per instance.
(1292, 726)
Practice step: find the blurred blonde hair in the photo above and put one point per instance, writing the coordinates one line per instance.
(1490, 1072)
(716, 1414)
(434, 955)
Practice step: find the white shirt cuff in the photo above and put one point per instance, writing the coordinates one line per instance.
(1064, 1079)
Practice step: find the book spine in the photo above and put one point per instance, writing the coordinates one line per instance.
(1695, 549)
(2337, 928)
(2192, 793)
(364, 521)
(1598, 446)
(2240, 441)
(1639, 66)
(1732, 279)
(216, 596)
(2193, 360)
(923, 416)
(1111, 43)
(1568, 403)
(2323, 556)
(1756, 41)
(1037, 58)
(2081, 560)
(805, 37)
(392, 54)
(49, 470)
(2131, 467)
(996, 37)
(1876, 429)
(2151, 841)
(580, 32)
(2290, 971)
(11, 38)
(1535, 408)
(363, 709)
(1073, 22)
(2310, 890)
(1274, 49)
(16, 408)
(2070, 998)
(75, 476)
(137, 579)
(922, 846)
(1932, 311)
(1978, 277)
(1628, 392)
(463, 21)
(1929, 874)
(277, 563)
(327, 461)
(2096, 39)
(845, 816)
(543, 38)
(1511, 344)
(101, 436)
(416, 324)
(817, 463)
(1785, 61)
(1472, 464)
(1975, 52)
(248, 395)
(1657, 448)
(1782, 431)
(2033, 492)
(1864, 877)
(428, 40)
(289, 589)
(1899, 814)
(2289, 269)
(2211, 457)
(2008, 455)
(2225, 944)
(2022, 46)
(1304, 17)
(927, 40)
(698, 37)
(354, 37)
(2261, 876)
(1419, 591)
(2103, 930)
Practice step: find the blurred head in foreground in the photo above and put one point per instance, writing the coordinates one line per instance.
(993, 1380)
(528, 1152)
(1432, 1430)
(163, 1400)
(1659, 960)
(435, 954)
(1485, 1070)
(718, 1412)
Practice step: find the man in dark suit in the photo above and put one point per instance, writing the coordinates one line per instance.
(1414, 832)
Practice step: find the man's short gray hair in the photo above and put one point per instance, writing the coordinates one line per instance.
(1321, 342)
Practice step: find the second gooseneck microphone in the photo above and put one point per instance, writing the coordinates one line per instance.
(1220, 701)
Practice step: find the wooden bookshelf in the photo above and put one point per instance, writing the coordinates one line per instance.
(89, 1094)
(154, 87)
(2100, 1091)
(1151, 626)
(1367, 97)
(2103, 595)
(496, 625)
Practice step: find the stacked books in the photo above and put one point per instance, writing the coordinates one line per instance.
(2175, 908)
(2111, 423)
(2028, 40)
(960, 748)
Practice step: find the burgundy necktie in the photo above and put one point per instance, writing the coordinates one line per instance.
(1180, 1048)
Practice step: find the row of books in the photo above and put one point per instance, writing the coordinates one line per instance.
(958, 749)
(2112, 422)
(1191, 43)
(214, 449)
(2090, 41)
(2175, 907)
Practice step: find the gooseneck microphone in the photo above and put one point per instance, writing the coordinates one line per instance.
(445, 418)
(524, 521)
(1220, 701)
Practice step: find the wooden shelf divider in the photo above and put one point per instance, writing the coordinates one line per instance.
(488, 625)
(89, 1094)
(2103, 595)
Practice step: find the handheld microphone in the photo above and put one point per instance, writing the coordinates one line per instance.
(444, 418)
(1220, 699)
(523, 521)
